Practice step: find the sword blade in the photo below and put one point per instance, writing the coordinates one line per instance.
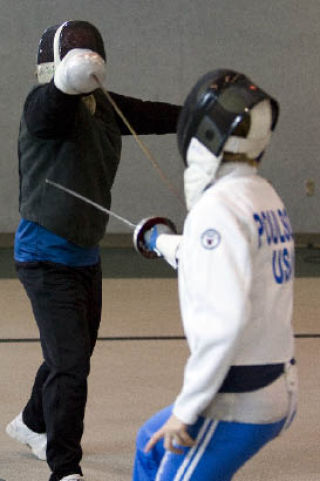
(91, 202)
(147, 152)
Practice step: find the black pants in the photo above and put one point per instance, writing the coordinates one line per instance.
(66, 304)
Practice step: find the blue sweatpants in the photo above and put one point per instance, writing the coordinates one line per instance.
(221, 449)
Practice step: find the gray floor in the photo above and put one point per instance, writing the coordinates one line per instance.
(137, 368)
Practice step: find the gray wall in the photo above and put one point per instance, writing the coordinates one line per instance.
(156, 50)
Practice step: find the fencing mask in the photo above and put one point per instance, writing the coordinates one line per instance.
(221, 104)
(58, 40)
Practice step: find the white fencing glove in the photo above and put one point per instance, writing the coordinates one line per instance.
(168, 245)
(80, 72)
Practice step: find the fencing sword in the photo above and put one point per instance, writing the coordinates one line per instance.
(139, 229)
(140, 143)
(94, 204)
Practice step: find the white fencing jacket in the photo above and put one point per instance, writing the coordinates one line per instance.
(235, 273)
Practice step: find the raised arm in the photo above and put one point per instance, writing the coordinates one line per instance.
(146, 117)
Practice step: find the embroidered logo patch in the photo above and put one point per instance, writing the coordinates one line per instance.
(210, 239)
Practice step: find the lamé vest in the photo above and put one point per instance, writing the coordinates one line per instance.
(85, 160)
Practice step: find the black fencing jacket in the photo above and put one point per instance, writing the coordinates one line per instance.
(60, 139)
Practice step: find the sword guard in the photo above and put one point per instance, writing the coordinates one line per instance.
(143, 227)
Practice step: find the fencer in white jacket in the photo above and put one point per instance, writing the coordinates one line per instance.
(235, 262)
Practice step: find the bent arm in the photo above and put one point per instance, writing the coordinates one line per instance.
(49, 113)
(214, 283)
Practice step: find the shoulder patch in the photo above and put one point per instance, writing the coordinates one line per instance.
(210, 239)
